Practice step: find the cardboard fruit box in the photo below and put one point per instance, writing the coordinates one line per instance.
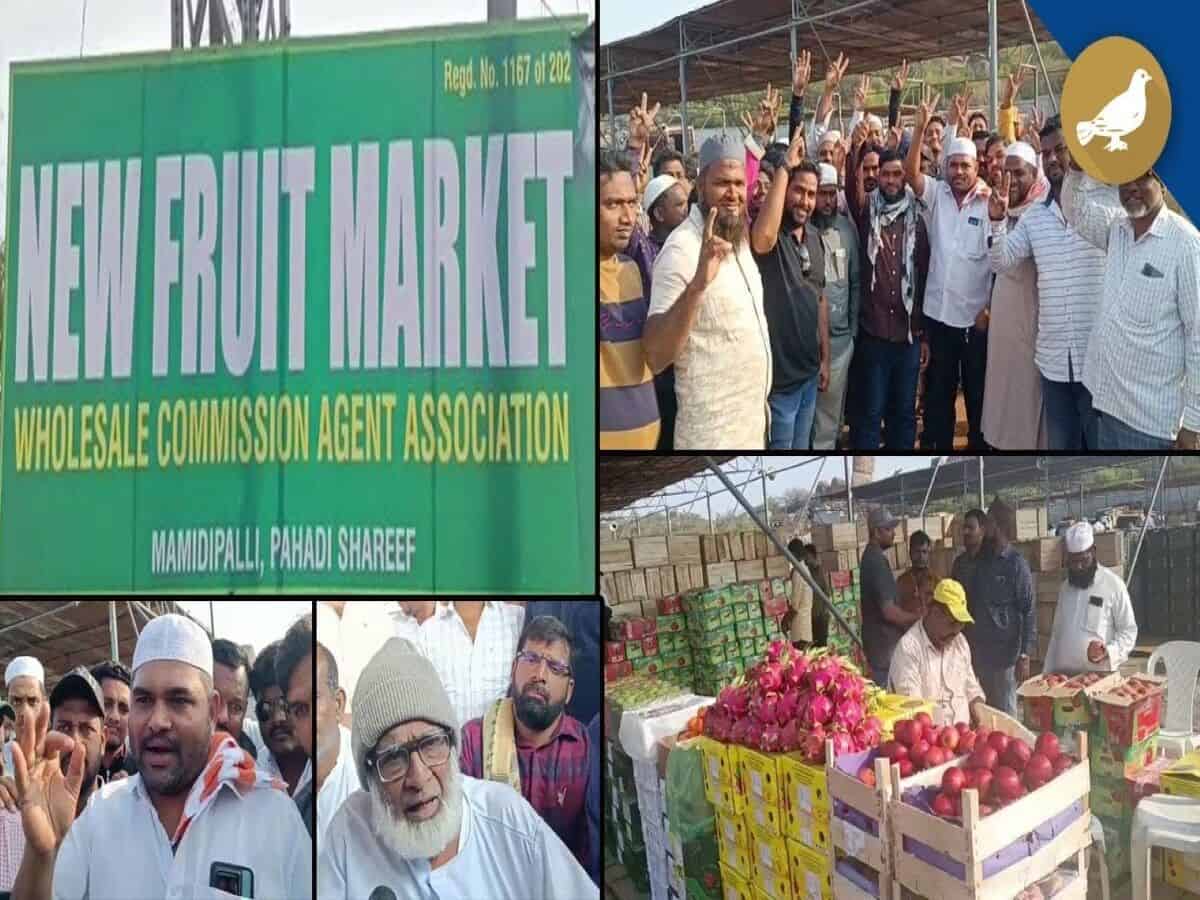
(669, 606)
(1074, 705)
(614, 651)
(1109, 762)
(707, 598)
(613, 671)
(1183, 778)
(650, 645)
(1130, 711)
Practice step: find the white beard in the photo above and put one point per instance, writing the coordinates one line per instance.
(418, 840)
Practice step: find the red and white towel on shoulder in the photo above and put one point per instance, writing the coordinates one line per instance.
(227, 764)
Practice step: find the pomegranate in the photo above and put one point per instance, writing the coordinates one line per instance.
(967, 742)
(1017, 755)
(1047, 745)
(983, 757)
(917, 753)
(949, 737)
(903, 732)
(893, 750)
(953, 781)
(982, 735)
(972, 778)
(983, 783)
(1062, 763)
(1038, 771)
(962, 727)
(998, 741)
(1007, 783)
(924, 719)
(906, 767)
(935, 756)
(942, 806)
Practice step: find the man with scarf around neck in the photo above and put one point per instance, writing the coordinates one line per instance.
(197, 816)
(1070, 276)
(960, 284)
(1012, 393)
(791, 260)
(890, 349)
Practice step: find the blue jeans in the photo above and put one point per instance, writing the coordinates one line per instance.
(1070, 421)
(887, 374)
(999, 687)
(1113, 434)
(792, 413)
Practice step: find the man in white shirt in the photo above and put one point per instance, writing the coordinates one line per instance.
(196, 817)
(706, 313)
(356, 630)
(334, 777)
(422, 830)
(1143, 362)
(471, 644)
(1094, 627)
(958, 288)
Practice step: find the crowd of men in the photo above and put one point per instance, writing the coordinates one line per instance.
(150, 782)
(779, 291)
(968, 639)
(470, 767)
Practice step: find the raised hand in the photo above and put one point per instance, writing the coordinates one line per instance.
(712, 252)
(858, 136)
(46, 796)
(860, 92)
(926, 108)
(895, 133)
(795, 153)
(962, 104)
(1012, 86)
(643, 172)
(801, 72)
(1033, 129)
(835, 71)
(768, 113)
(998, 201)
(641, 122)
(901, 76)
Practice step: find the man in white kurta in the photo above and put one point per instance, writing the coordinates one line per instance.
(420, 829)
(1094, 626)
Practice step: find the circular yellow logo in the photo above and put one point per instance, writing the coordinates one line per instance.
(1116, 110)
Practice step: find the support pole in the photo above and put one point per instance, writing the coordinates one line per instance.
(993, 66)
(1038, 50)
(612, 115)
(937, 464)
(667, 510)
(813, 490)
(787, 554)
(981, 500)
(1146, 520)
(708, 503)
(766, 508)
(112, 629)
(847, 465)
(683, 134)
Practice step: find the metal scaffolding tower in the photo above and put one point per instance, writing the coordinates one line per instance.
(229, 22)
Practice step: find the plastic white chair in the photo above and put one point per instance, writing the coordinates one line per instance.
(1162, 821)
(1097, 831)
(1182, 662)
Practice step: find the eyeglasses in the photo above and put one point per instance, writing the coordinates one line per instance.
(534, 659)
(268, 708)
(392, 764)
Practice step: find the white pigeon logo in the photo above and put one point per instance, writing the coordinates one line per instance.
(1121, 115)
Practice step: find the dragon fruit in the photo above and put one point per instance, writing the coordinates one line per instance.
(788, 708)
(819, 680)
(842, 743)
(819, 711)
(776, 649)
(848, 714)
(796, 670)
(847, 686)
(768, 712)
(769, 739)
(814, 747)
(735, 701)
(770, 678)
(742, 732)
(873, 723)
(791, 736)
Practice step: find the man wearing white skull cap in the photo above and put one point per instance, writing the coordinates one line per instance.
(1094, 627)
(25, 684)
(197, 821)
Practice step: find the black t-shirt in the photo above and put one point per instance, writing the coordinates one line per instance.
(123, 763)
(790, 303)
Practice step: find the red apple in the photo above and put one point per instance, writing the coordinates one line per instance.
(925, 720)
(903, 732)
(983, 757)
(948, 737)
(981, 736)
(1047, 745)
(972, 778)
(962, 727)
(1038, 771)
(935, 756)
(893, 750)
(942, 806)
(906, 768)
(998, 741)
(967, 742)
(867, 775)
(1017, 755)
(1007, 783)
(953, 781)
(917, 753)
(1062, 763)
(983, 783)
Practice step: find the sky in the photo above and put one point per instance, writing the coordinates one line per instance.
(801, 477)
(623, 18)
(50, 29)
(253, 622)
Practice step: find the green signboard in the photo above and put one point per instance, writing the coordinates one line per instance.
(307, 315)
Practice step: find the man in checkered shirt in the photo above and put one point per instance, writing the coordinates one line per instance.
(1143, 361)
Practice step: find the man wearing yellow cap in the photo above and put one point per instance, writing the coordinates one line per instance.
(933, 660)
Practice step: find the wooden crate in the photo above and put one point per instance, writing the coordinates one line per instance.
(778, 567)
(737, 552)
(616, 555)
(719, 574)
(838, 560)
(1043, 555)
(649, 551)
(624, 587)
(637, 580)
(1110, 549)
(976, 839)
(683, 579)
(683, 548)
(608, 588)
(1032, 523)
(632, 609)
(840, 536)
(941, 561)
(697, 576)
(750, 570)
(714, 548)
(666, 575)
(654, 588)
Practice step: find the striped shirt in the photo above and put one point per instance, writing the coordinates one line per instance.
(554, 778)
(628, 407)
(1070, 275)
(1143, 364)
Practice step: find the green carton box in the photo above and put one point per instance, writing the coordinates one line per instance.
(704, 598)
(703, 620)
(741, 612)
(746, 648)
(673, 624)
(745, 592)
(750, 629)
(728, 615)
(633, 650)
(650, 665)
(1111, 763)
(710, 656)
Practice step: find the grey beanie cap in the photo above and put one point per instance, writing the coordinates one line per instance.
(398, 685)
(721, 147)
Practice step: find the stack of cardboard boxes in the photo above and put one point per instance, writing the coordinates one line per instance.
(728, 629)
